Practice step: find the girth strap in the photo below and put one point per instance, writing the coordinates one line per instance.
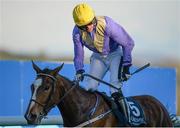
(95, 119)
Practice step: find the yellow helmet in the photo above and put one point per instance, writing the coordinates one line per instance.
(83, 14)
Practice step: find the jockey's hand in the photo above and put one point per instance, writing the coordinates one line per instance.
(79, 75)
(125, 73)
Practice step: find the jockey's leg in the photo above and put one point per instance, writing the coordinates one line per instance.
(120, 100)
(97, 69)
(117, 95)
(115, 58)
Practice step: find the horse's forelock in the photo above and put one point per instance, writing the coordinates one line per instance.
(46, 71)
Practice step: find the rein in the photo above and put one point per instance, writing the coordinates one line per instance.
(99, 80)
(62, 98)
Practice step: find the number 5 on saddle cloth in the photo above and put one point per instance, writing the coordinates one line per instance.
(135, 113)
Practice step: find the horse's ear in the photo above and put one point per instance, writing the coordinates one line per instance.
(56, 70)
(36, 68)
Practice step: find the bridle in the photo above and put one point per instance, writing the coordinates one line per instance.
(44, 106)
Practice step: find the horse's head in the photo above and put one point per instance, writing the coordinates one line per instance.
(43, 94)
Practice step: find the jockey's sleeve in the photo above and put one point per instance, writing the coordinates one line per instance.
(119, 35)
(78, 50)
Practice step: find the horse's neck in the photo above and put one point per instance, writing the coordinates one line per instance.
(76, 104)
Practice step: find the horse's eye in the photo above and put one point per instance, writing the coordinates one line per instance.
(46, 88)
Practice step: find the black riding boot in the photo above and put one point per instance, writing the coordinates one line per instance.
(120, 101)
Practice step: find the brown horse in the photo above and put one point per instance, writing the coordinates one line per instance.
(79, 107)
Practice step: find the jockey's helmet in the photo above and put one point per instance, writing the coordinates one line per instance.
(83, 14)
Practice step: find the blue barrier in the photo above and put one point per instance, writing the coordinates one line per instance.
(17, 76)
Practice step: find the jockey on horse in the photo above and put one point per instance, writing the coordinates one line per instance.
(109, 42)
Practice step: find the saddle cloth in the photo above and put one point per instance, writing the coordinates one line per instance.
(135, 113)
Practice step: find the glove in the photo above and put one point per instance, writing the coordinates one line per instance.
(79, 75)
(125, 73)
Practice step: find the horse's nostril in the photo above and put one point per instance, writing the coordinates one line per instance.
(32, 116)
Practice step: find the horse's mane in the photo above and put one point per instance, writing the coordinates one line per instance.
(72, 82)
(47, 71)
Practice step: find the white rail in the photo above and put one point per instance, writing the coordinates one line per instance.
(20, 120)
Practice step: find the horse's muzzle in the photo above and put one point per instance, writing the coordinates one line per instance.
(32, 118)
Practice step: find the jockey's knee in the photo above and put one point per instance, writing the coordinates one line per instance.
(91, 85)
(117, 84)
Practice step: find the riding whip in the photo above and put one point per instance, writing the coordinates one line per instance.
(104, 82)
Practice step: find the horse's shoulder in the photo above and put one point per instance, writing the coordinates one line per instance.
(105, 97)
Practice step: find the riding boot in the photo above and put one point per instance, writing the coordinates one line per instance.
(120, 101)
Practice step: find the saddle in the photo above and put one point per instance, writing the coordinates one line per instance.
(135, 112)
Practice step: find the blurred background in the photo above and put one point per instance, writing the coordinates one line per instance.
(42, 30)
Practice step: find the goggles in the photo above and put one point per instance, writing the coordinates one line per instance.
(84, 27)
